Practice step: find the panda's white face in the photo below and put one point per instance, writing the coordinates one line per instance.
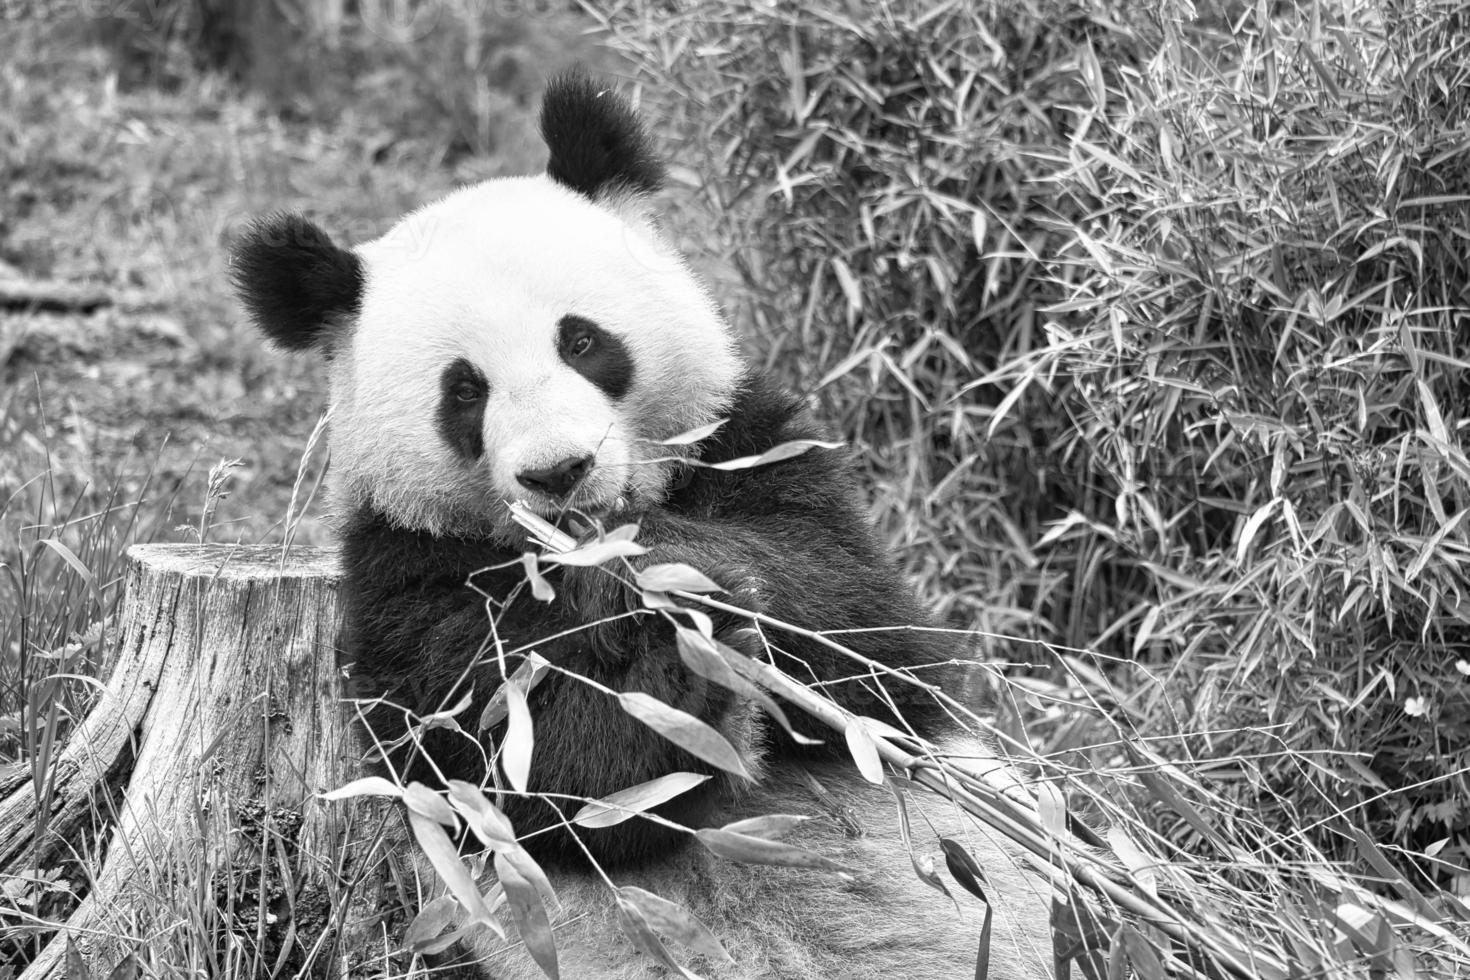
(527, 338)
(519, 341)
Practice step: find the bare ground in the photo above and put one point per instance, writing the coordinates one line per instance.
(135, 194)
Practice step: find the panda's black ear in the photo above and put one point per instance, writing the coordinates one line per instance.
(296, 283)
(598, 145)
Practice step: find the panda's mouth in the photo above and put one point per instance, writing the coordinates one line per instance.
(566, 525)
(577, 515)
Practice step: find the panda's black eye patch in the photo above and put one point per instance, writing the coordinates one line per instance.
(461, 416)
(594, 353)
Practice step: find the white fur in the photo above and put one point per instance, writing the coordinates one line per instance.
(883, 924)
(485, 274)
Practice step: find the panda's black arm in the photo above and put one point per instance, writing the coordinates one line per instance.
(413, 630)
(792, 540)
(789, 573)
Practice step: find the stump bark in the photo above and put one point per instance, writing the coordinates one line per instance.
(221, 720)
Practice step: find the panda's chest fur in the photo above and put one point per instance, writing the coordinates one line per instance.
(434, 621)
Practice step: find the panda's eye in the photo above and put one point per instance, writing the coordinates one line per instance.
(596, 354)
(466, 392)
(581, 346)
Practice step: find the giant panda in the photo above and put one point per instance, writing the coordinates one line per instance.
(535, 339)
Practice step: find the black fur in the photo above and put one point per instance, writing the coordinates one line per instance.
(789, 539)
(297, 285)
(598, 144)
(605, 361)
(461, 417)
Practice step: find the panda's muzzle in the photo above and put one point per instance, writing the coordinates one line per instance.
(559, 479)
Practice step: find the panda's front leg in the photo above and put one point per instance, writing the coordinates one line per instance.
(589, 746)
(628, 646)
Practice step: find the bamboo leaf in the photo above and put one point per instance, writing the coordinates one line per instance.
(675, 922)
(775, 454)
(685, 731)
(484, 818)
(1146, 628)
(617, 807)
(1003, 410)
(1248, 533)
(692, 436)
(526, 676)
(446, 718)
(425, 802)
(529, 915)
(1145, 959)
(1433, 418)
(770, 826)
(1118, 961)
(366, 786)
(597, 553)
(439, 849)
(521, 859)
(864, 751)
(644, 939)
(520, 738)
(924, 867)
(963, 867)
(717, 662)
(675, 577)
(1077, 936)
(982, 953)
(540, 588)
(758, 850)
(1051, 806)
(425, 934)
(851, 291)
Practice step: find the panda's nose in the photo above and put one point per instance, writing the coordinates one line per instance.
(559, 479)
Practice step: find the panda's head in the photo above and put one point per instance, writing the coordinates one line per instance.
(526, 338)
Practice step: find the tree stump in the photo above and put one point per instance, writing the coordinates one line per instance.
(222, 720)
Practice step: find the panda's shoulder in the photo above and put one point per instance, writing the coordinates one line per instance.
(764, 414)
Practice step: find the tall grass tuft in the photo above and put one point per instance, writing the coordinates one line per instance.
(64, 529)
(1148, 321)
